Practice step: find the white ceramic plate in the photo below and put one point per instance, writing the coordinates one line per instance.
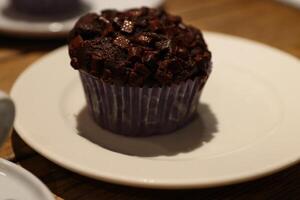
(14, 23)
(248, 127)
(18, 184)
(295, 3)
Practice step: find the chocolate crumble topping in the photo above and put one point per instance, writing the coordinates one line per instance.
(138, 47)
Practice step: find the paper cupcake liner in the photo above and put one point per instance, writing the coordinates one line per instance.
(141, 111)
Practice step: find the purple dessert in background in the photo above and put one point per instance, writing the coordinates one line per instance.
(44, 6)
(142, 70)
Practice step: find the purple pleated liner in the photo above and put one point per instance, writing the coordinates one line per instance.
(141, 111)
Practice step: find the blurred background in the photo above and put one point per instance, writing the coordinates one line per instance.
(36, 27)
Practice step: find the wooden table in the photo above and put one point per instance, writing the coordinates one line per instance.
(266, 21)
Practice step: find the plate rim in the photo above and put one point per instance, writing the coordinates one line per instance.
(161, 185)
(25, 174)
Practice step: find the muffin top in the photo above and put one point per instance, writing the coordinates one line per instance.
(138, 47)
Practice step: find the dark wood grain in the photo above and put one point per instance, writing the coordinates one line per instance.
(67, 185)
(265, 21)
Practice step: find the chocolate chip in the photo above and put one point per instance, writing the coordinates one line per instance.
(143, 39)
(76, 42)
(134, 52)
(174, 19)
(198, 58)
(207, 55)
(149, 56)
(154, 25)
(195, 51)
(182, 52)
(104, 20)
(118, 22)
(164, 44)
(108, 14)
(182, 26)
(121, 41)
(74, 63)
(145, 10)
(127, 26)
(135, 79)
(99, 56)
(135, 12)
(141, 69)
(163, 76)
(142, 23)
(107, 76)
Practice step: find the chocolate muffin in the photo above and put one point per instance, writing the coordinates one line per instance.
(142, 69)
